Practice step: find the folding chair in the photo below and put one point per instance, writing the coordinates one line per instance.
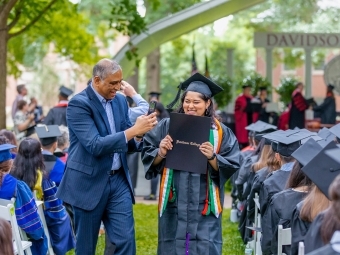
(284, 237)
(7, 212)
(301, 248)
(40, 205)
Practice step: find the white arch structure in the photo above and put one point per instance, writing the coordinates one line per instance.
(178, 24)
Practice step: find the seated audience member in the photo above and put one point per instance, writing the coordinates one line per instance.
(11, 139)
(323, 171)
(29, 167)
(63, 142)
(287, 142)
(25, 207)
(304, 214)
(6, 243)
(54, 167)
(267, 164)
(281, 207)
(333, 248)
(23, 120)
(272, 164)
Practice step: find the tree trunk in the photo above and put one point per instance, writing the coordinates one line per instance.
(133, 79)
(153, 71)
(3, 74)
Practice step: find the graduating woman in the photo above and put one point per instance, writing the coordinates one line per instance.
(25, 207)
(29, 167)
(190, 204)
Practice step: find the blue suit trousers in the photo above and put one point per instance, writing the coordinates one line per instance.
(115, 210)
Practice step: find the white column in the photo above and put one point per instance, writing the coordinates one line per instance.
(269, 69)
(308, 72)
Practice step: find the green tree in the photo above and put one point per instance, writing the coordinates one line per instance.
(27, 27)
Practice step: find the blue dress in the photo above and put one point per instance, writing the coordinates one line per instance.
(25, 212)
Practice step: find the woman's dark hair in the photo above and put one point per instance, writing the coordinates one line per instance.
(28, 161)
(331, 219)
(297, 178)
(6, 243)
(162, 112)
(330, 92)
(21, 104)
(210, 112)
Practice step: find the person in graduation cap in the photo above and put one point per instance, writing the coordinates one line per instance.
(154, 96)
(243, 115)
(57, 115)
(54, 167)
(29, 167)
(259, 113)
(281, 207)
(23, 121)
(323, 170)
(190, 206)
(25, 207)
(287, 142)
(327, 110)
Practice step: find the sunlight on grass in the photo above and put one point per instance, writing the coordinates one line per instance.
(147, 231)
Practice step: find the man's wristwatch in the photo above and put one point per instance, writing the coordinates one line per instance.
(213, 156)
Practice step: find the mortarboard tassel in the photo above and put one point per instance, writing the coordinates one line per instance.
(169, 106)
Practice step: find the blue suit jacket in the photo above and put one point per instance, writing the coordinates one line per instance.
(92, 147)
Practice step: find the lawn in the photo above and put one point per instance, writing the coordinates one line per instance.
(146, 233)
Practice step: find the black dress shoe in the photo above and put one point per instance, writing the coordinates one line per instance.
(150, 197)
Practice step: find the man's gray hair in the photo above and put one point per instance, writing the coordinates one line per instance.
(64, 138)
(105, 67)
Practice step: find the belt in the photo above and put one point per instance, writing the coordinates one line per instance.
(114, 171)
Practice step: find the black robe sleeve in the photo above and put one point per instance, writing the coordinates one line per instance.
(268, 227)
(264, 197)
(299, 229)
(313, 239)
(151, 142)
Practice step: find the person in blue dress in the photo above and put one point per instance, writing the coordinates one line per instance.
(25, 208)
(29, 167)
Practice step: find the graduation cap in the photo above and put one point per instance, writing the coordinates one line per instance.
(307, 151)
(65, 92)
(263, 88)
(274, 146)
(155, 94)
(5, 152)
(334, 154)
(323, 169)
(326, 136)
(330, 86)
(335, 130)
(197, 83)
(289, 141)
(261, 127)
(48, 134)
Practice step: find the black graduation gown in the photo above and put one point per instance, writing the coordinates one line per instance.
(313, 239)
(299, 229)
(258, 180)
(244, 173)
(327, 111)
(297, 111)
(184, 215)
(54, 167)
(279, 212)
(325, 250)
(56, 116)
(275, 182)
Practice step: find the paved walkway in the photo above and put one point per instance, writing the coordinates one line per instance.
(143, 189)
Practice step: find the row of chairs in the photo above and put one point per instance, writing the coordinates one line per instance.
(284, 235)
(21, 244)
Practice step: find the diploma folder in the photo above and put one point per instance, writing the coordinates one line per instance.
(188, 132)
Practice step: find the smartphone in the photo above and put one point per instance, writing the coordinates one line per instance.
(152, 107)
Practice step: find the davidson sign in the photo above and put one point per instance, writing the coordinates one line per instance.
(296, 40)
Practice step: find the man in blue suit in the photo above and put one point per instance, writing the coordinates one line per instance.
(96, 181)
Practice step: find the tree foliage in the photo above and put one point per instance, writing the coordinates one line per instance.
(286, 88)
